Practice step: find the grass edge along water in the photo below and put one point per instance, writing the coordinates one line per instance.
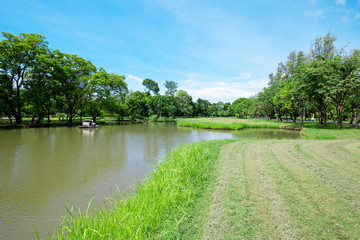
(157, 207)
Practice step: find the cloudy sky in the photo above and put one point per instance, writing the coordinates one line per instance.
(218, 50)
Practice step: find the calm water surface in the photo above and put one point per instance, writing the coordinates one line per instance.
(43, 169)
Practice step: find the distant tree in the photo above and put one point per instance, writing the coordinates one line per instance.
(163, 105)
(202, 107)
(171, 88)
(138, 104)
(241, 107)
(105, 90)
(184, 103)
(151, 86)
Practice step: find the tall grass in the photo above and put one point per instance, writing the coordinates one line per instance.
(157, 207)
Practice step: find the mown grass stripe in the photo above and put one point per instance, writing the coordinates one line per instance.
(314, 205)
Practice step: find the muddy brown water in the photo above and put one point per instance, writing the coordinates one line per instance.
(44, 169)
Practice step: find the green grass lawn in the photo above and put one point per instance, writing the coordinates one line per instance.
(282, 190)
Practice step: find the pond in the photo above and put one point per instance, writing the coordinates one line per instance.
(42, 169)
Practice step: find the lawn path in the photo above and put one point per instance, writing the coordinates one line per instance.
(287, 190)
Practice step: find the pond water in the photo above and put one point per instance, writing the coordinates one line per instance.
(42, 169)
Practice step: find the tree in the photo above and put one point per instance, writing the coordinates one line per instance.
(184, 103)
(343, 78)
(106, 91)
(171, 88)
(17, 57)
(202, 107)
(41, 88)
(313, 75)
(241, 107)
(151, 86)
(138, 104)
(324, 48)
(162, 105)
(72, 74)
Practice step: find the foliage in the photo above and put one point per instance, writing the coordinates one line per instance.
(171, 88)
(184, 104)
(322, 82)
(17, 57)
(151, 86)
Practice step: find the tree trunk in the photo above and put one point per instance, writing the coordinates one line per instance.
(293, 117)
(352, 116)
(332, 117)
(358, 119)
(339, 109)
(18, 118)
(276, 114)
(324, 116)
(48, 116)
(39, 119)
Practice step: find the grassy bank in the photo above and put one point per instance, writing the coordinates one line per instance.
(155, 209)
(238, 124)
(309, 130)
(228, 123)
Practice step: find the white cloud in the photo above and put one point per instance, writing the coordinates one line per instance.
(315, 14)
(226, 90)
(341, 2)
(135, 78)
(215, 94)
(243, 75)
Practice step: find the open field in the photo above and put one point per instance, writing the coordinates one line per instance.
(226, 123)
(285, 189)
(237, 124)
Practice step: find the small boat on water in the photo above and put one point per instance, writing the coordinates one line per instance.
(88, 123)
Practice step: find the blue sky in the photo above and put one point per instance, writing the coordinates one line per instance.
(217, 50)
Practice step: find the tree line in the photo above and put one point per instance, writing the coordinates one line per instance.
(39, 82)
(322, 84)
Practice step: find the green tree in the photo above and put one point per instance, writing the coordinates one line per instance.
(163, 105)
(41, 89)
(202, 107)
(343, 78)
(138, 104)
(72, 74)
(241, 107)
(185, 106)
(151, 86)
(17, 57)
(171, 88)
(106, 92)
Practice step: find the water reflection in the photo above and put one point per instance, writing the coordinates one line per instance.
(41, 169)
